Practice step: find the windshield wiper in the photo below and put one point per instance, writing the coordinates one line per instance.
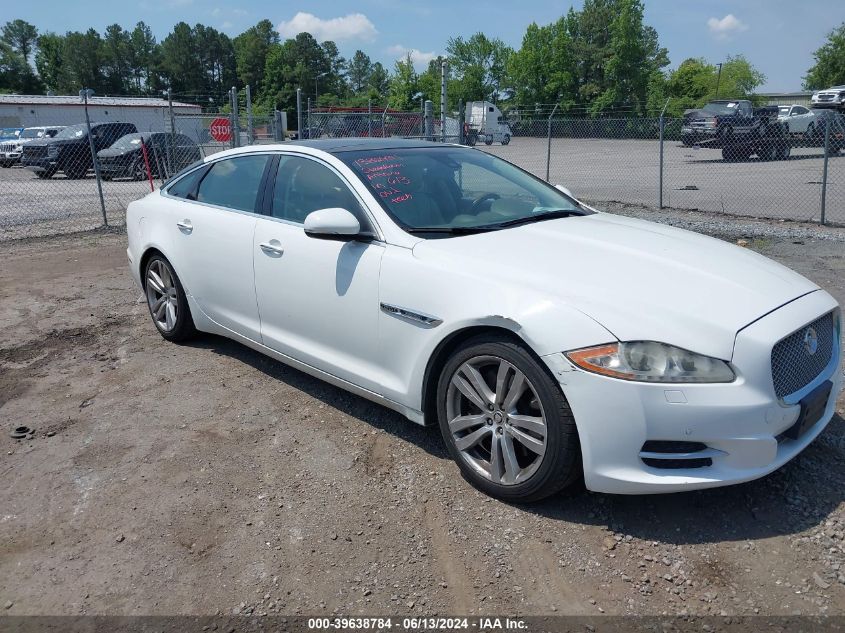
(547, 215)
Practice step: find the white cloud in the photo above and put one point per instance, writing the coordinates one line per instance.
(419, 58)
(727, 26)
(226, 25)
(355, 26)
(216, 12)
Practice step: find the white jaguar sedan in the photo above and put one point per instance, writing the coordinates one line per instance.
(548, 341)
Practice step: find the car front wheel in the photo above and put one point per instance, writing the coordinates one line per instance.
(166, 300)
(506, 422)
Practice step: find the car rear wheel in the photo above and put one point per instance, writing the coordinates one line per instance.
(139, 169)
(506, 422)
(166, 301)
(506, 139)
(45, 175)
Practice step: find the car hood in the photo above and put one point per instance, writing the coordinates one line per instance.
(700, 114)
(114, 153)
(640, 280)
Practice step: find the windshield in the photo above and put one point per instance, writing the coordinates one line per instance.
(7, 134)
(32, 133)
(783, 110)
(454, 188)
(128, 141)
(72, 131)
(720, 108)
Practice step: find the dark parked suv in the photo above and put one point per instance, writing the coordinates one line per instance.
(69, 151)
(167, 153)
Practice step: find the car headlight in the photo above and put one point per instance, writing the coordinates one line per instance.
(649, 361)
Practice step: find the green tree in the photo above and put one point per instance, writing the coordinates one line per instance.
(143, 57)
(543, 69)
(295, 63)
(379, 81)
(21, 36)
(251, 49)
(115, 60)
(694, 82)
(478, 67)
(634, 56)
(17, 44)
(332, 86)
(358, 71)
(180, 62)
(49, 60)
(429, 82)
(403, 85)
(829, 69)
(82, 62)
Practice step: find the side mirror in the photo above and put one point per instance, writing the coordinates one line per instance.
(566, 191)
(333, 223)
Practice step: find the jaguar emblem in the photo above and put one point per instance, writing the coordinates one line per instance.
(811, 341)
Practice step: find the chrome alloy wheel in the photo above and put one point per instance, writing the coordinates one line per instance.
(496, 420)
(161, 296)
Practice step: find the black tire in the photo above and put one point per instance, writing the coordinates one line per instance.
(784, 150)
(6, 164)
(183, 328)
(560, 465)
(768, 151)
(506, 139)
(488, 140)
(139, 169)
(45, 175)
(471, 140)
(810, 133)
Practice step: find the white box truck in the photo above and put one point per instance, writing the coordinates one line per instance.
(485, 123)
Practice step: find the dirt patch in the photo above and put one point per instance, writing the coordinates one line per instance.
(206, 478)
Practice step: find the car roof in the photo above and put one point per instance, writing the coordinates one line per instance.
(337, 145)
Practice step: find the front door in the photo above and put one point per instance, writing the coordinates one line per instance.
(318, 298)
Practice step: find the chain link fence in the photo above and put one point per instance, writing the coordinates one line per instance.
(86, 176)
(763, 169)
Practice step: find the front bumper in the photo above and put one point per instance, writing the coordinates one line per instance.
(10, 155)
(41, 164)
(740, 423)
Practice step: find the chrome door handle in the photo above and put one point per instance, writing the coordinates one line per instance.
(272, 249)
(185, 226)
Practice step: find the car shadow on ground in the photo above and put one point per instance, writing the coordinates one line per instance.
(795, 498)
(375, 415)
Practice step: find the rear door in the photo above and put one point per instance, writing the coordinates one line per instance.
(213, 224)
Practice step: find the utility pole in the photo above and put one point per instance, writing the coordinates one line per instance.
(718, 79)
(443, 72)
(85, 93)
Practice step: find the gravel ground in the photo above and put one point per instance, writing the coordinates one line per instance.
(207, 479)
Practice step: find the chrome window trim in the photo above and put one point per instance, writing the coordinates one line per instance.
(379, 236)
(379, 233)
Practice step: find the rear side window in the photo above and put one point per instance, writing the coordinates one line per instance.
(185, 187)
(234, 182)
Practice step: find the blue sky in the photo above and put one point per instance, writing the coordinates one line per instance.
(777, 36)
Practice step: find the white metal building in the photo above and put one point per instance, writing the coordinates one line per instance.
(148, 114)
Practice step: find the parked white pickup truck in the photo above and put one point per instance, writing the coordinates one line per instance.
(10, 151)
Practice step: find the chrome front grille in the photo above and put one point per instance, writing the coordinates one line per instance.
(793, 364)
(7, 147)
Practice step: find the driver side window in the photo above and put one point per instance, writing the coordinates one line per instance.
(303, 185)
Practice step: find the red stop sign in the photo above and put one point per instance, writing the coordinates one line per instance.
(220, 130)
